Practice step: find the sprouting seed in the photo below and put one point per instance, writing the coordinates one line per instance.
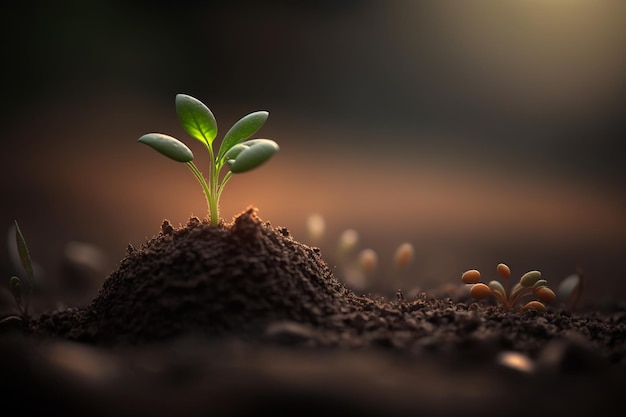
(480, 291)
(530, 278)
(316, 227)
(529, 284)
(22, 290)
(534, 305)
(348, 241)
(403, 256)
(368, 261)
(504, 271)
(471, 276)
(570, 289)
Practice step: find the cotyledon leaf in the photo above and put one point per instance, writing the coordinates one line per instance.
(196, 119)
(168, 146)
(242, 130)
(250, 154)
(530, 278)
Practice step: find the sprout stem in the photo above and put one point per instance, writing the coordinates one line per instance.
(516, 297)
(224, 181)
(213, 196)
(205, 187)
(240, 154)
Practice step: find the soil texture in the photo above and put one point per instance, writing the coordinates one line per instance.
(241, 319)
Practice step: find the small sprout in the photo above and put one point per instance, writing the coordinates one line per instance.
(530, 278)
(470, 277)
(403, 256)
(570, 289)
(497, 290)
(480, 291)
(235, 152)
(359, 266)
(504, 271)
(530, 284)
(545, 294)
(534, 305)
(368, 261)
(347, 242)
(316, 227)
(23, 290)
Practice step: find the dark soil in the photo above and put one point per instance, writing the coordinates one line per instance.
(241, 319)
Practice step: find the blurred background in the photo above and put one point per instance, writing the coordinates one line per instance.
(479, 131)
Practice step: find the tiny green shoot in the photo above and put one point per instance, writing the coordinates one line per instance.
(236, 153)
(23, 290)
(529, 284)
(570, 289)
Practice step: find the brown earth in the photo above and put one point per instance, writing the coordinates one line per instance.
(241, 319)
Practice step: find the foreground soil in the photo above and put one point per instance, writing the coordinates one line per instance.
(241, 319)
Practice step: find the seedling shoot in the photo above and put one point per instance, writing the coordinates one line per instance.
(236, 153)
(529, 284)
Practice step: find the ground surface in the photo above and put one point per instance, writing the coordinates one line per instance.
(239, 319)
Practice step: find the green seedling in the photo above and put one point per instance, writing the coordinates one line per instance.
(529, 284)
(22, 290)
(570, 289)
(235, 153)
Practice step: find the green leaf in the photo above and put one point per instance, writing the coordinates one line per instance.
(168, 146)
(242, 130)
(495, 286)
(196, 119)
(530, 278)
(22, 249)
(540, 283)
(250, 154)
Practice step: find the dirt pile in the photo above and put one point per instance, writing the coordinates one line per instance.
(251, 281)
(240, 318)
(230, 278)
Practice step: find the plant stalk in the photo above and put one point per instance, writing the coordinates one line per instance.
(207, 191)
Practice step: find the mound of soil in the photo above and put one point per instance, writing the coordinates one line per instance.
(226, 279)
(240, 318)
